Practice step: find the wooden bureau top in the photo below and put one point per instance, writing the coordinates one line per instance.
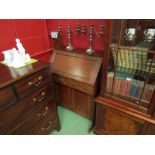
(76, 66)
(9, 75)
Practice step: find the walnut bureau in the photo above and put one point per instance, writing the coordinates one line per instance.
(76, 81)
(27, 104)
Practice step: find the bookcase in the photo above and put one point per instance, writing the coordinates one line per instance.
(126, 104)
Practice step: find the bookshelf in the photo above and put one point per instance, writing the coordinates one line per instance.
(131, 65)
(131, 74)
(128, 80)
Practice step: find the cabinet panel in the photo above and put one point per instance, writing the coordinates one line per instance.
(64, 96)
(150, 129)
(110, 121)
(7, 98)
(83, 103)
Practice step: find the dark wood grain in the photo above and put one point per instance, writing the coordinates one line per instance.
(10, 75)
(76, 66)
(27, 125)
(32, 82)
(116, 115)
(75, 81)
(64, 96)
(27, 96)
(7, 98)
(124, 120)
(83, 104)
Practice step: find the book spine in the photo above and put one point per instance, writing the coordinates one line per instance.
(122, 55)
(119, 58)
(108, 83)
(130, 60)
(111, 81)
(128, 88)
(114, 55)
(122, 88)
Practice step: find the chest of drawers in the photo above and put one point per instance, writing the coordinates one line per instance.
(27, 103)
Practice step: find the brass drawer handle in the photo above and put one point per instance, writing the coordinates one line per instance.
(44, 113)
(49, 126)
(38, 100)
(36, 84)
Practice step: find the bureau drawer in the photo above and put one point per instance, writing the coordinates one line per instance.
(33, 82)
(34, 118)
(61, 79)
(7, 98)
(82, 87)
(14, 114)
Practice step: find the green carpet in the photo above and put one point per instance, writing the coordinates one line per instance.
(72, 123)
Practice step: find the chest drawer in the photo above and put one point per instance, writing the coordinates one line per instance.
(33, 82)
(82, 87)
(45, 126)
(14, 114)
(34, 119)
(7, 98)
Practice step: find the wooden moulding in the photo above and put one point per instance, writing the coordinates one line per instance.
(127, 110)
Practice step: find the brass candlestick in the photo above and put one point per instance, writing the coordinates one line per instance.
(90, 50)
(69, 47)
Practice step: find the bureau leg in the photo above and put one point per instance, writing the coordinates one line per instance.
(93, 119)
(90, 128)
(58, 127)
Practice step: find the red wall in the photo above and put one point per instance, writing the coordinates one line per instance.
(31, 32)
(34, 35)
(78, 41)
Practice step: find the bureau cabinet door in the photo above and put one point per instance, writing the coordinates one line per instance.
(149, 129)
(109, 121)
(7, 98)
(83, 104)
(64, 96)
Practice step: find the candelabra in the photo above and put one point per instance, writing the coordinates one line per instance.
(101, 30)
(59, 29)
(78, 28)
(69, 47)
(83, 29)
(90, 50)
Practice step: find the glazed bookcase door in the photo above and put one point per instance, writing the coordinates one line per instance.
(131, 66)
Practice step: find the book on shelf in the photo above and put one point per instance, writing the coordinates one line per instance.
(147, 93)
(150, 66)
(130, 57)
(125, 85)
